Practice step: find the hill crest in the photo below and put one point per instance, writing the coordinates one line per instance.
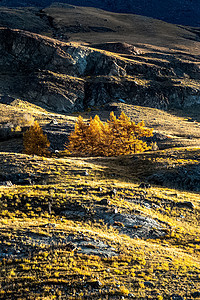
(174, 11)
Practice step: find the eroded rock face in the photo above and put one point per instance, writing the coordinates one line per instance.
(67, 77)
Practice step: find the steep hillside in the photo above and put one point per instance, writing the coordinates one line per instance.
(93, 25)
(175, 11)
(23, 18)
(68, 76)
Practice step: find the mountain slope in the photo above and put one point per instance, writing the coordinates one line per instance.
(69, 76)
(183, 12)
(63, 234)
(91, 25)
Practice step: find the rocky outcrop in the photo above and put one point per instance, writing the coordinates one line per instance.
(68, 77)
(118, 47)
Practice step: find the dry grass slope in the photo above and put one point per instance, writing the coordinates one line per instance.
(84, 228)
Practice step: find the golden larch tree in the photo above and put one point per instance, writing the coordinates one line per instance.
(35, 141)
(117, 136)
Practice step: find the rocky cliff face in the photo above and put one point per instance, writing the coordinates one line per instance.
(68, 77)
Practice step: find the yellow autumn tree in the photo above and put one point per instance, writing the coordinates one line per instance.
(117, 136)
(35, 141)
(78, 138)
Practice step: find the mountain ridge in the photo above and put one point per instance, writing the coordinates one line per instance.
(183, 12)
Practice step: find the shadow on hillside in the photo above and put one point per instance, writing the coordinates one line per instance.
(139, 169)
(181, 177)
(192, 113)
(162, 52)
(14, 145)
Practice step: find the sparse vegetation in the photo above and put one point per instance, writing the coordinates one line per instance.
(44, 262)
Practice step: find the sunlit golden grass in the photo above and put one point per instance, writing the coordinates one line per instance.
(47, 269)
(51, 270)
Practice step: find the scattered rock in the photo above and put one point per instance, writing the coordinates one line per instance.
(133, 225)
(75, 212)
(51, 225)
(53, 122)
(178, 178)
(108, 270)
(144, 185)
(85, 173)
(148, 284)
(28, 241)
(94, 284)
(196, 294)
(147, 205)
(112, 193)
(115, 211)
(176, 297)
(104, 202)
(19, 178)
(185, 204)
(181, 216)
(6, 183)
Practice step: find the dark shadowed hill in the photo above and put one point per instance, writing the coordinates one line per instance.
(95, 26)
(185, 12)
